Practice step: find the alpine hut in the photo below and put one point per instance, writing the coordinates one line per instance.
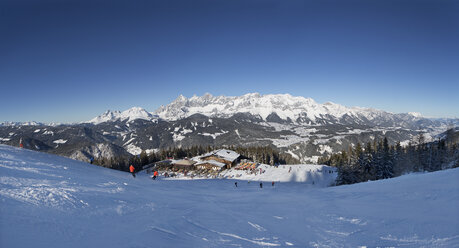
(227, 157)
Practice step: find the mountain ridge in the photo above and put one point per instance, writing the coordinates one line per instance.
(294, 109)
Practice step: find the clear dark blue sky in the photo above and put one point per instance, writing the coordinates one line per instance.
(70, 60)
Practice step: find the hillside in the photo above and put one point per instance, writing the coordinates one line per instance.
(51, 201)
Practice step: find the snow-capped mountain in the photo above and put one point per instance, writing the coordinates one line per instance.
(28, 123)
(280, 107)
(271, 108)
(127, 115)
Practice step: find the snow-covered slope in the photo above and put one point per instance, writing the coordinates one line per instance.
(127, 115)
(50, 201)
(318, 175)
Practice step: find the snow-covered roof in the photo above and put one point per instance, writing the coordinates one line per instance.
(224, 154)
(212, 162)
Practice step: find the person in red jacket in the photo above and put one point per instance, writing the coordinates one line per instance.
(155, 174)
(132, 170)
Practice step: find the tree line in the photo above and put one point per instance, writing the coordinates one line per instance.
(379, 160)
(261, 154)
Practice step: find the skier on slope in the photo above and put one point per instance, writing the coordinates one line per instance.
(155, 174)
(132, 170)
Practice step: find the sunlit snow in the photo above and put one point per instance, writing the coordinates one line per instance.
(50, 201)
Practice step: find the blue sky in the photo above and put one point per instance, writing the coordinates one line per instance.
(68, 61)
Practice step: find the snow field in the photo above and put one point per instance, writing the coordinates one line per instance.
(51, 201)
(317, 175)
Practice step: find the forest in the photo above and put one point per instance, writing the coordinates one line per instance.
(379, 160)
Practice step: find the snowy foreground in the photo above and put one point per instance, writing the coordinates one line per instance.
(51, 201)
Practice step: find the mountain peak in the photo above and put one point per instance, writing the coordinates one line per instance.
(135, 113)
(180, 98)
(131, 114)
(415, 114)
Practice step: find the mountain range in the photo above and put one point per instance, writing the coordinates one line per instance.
(295, 125)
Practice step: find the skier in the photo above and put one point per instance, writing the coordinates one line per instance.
(235, 183)
(261, 185)
(272, 183)
(132, 170)
(155, 174)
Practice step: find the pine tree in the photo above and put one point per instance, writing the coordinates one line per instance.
(143, 158)
(387, 166)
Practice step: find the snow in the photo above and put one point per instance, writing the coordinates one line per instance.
(129, 141)
(177, 137)
(127, 115)
(288, 140)
(415, 114)
(5, 139)
(293, 154)
(133, 149)
(311, 159)
(319, 175)
(185, 131)
(150, 151)
(285, 106)
(237, 133)
(51, 201)
(325, 149)
(49, 133)
(405, 143)
(214, 135)
(60, 141)
(225, 154)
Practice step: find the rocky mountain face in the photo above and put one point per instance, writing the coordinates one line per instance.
(287, 109)
(295, 125)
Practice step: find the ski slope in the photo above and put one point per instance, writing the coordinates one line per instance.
(51, 201)
(316, 175)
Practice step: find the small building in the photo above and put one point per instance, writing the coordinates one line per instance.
(228, 157)
(184, 164)
(164, 164)
(210, 165)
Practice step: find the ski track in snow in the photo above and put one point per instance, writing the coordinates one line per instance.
(258, 227)
(57, 202)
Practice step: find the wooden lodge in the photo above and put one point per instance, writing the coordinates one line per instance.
(210, 165)
(184, 164)
(227, 157)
